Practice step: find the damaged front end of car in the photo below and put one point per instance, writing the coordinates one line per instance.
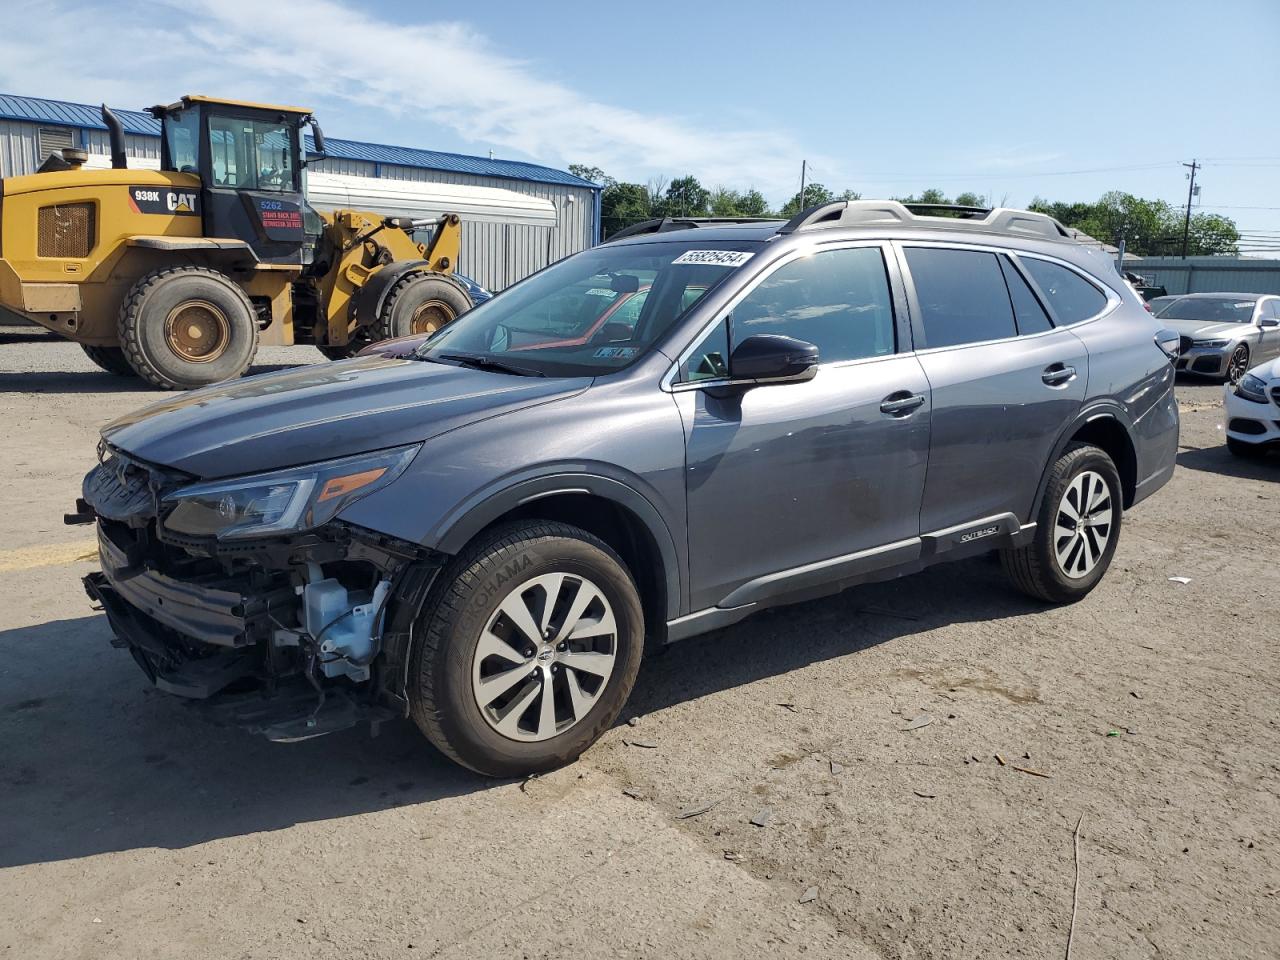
(251, 595)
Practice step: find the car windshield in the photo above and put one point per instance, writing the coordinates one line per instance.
(1210, 310)
(592, 313)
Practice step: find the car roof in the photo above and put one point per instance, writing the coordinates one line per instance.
(874, 217)
(757, 230)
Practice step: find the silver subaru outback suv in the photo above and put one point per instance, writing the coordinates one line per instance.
(648, 440)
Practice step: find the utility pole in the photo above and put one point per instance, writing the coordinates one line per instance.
(803, 168)
(1193, 166)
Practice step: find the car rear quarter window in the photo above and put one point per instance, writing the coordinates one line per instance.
(962, 294)
(1071, 297)
(1026, 308)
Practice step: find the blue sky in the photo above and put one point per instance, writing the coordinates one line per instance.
(1009, 100)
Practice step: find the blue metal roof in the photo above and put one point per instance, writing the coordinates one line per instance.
(61, 113)
(57, 112)
(451, 162)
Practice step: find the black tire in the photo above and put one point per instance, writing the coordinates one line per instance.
(150, 323)
(1237, 364)
(110, 359)
(1035, 568)
(345, 352)
(419, 303)
(467, 594)
(1249, 451)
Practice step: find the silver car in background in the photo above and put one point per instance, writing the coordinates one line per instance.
(1224, 334)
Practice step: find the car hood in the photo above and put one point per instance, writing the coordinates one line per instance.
(1206, 330)
(320, 412)
(1269, 371)
(398, 347)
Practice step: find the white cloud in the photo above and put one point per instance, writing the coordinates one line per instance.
(391, 81)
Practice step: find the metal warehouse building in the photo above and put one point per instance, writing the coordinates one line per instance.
(505, 237)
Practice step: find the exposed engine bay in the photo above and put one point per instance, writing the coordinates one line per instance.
(291, 636)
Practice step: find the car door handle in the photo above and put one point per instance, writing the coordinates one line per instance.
(901, 403)
(1057, 374)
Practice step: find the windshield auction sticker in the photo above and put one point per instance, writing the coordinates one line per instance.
(715, 258)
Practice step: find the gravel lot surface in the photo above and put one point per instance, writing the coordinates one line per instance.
(132, 828)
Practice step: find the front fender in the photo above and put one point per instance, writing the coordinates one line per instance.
(459, 525)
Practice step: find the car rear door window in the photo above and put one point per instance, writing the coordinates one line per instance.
(1071, 297)
(962, 294)
(1026, 308)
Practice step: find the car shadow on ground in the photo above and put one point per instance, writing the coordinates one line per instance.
(95, 761)
(91, 381)
(1264, 465)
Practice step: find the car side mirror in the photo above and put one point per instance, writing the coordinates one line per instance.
(773, 358)
(1172, 344)
(1270, 322)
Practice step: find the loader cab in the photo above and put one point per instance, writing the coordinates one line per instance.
(249, 159)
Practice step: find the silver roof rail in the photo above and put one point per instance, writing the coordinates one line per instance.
(864, 213)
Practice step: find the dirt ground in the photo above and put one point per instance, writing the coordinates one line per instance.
(132, 828)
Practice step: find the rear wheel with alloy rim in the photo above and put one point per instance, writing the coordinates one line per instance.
(1077, 528)
(1082, 529)
(1238, 365)
(529, 648)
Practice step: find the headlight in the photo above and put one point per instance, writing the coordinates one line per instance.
(1209, 343)
(1252, 388)
(285, 501)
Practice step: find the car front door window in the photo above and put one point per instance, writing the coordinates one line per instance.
(838, 300)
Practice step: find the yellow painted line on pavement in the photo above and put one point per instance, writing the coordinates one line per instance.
(48, 555)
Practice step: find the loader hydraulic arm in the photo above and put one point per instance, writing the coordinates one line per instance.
(368, 243)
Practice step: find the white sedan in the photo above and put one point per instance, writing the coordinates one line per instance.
(1252, 411)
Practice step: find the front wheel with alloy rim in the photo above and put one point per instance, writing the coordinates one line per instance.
(529, 647)
(1077, 528)
(1238, 365)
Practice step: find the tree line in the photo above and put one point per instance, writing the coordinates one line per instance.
(1148, 227)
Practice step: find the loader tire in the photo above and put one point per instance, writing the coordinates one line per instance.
(344, 352)
(187, 327)
(420, 303)
(110, 359)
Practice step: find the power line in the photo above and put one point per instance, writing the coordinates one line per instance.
(989, 175)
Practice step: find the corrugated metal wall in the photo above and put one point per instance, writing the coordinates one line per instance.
(497, 255)
(1210, 274)
(20, 152)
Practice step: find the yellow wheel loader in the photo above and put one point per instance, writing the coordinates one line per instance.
(177, 275)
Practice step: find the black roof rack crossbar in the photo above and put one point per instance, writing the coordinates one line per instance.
(667, 224)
